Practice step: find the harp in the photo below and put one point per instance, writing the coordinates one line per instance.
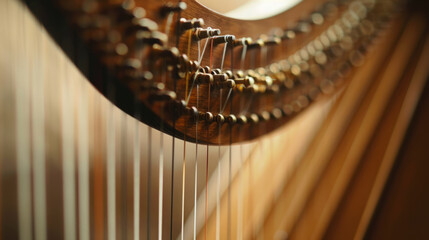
(166, 120)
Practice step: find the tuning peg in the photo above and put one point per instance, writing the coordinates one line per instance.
(131, 64)
(220, 119)
(216, 71)
(171, 8)
(231, 119)
(227, 84)
(288, 34)
(189, 24)
(264, 116)
(242, 42)
(242, 120)
(220, 77)
(201, 33)
(303, 27)
(256, 44)
(171, 54)
(203, 78)
(246, 81)
(269, 41)
(144, 24)
(208, 117)
(253, 118)
(162, 96)
(137, 76)
(193, 111)
(151, 38)
(223, 39)
(276, 113)
(152, 86)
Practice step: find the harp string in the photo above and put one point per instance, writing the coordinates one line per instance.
(38, 145)
(207, 153)
(187, 70)
(111, 165)
(196, 168)
(230, 155)
(240, 176)
(261, 144)
(161, 168)
(173, 138)
(218, 178)
(200, 57)
(136, 155)
(149, 180)
(83, 163)
(182, 222)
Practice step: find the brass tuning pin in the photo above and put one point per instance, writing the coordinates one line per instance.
(242, 41)
(162, 96)
(231, 119)
(143, 24)
(223, 39)
(171, 54)
(189, 24)
(256, 44)
(208, 117)
(288, 34)
(246, 81)
(220, 119)
(242, 120)
(151, 38)
(203, 78)
(201, 33)
(303, 27)
(171, 8)
(270, 41)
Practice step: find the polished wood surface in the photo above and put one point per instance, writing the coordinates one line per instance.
(73, 165)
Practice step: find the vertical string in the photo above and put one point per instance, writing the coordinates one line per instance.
(223, 56)
(23, 153)
(240, 170)
(218, 174)
(136, 178)
(38, 142)
(187, 70)
(240, 198)
(111, 172)
(230, 155)
(161, 183)
(149, 181)
(196, 169)
(83, 166)
(172, 178)
(68, 155)
(243, 54)
(219, 162)
(173, 139)
(161, 168)
(207, 154)
(182, 222)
